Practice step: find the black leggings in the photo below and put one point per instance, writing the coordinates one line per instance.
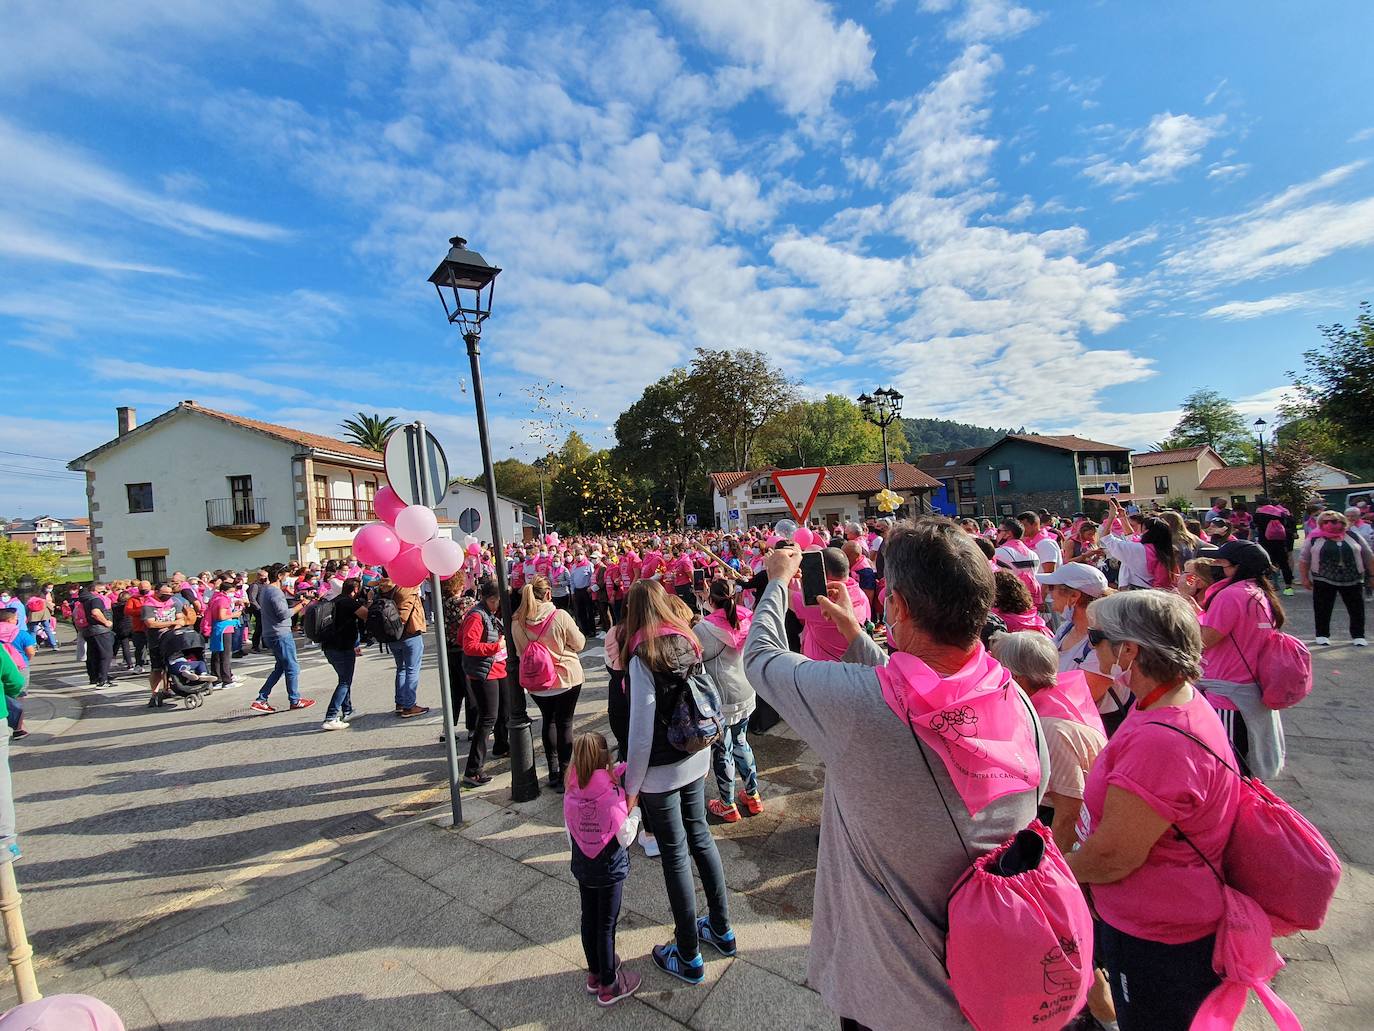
(557, 729)
(1324, 600)
(618, 712)
(484, 703)
(222, 665)
(1282, 558)
(1156, 987)
(99, 656)
(600, 914)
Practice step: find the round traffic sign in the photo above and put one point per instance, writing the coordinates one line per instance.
(402, 461)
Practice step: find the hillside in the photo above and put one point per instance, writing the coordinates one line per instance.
(926, 435)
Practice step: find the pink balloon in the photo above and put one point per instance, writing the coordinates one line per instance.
(802, 538)
(416, 524)
(771, 539)
(474, 549)
(442, 556)
(375, 544)
(407, 569)
(388, 505)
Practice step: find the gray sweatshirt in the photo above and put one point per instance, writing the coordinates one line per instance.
(639, 775)
(889, 854)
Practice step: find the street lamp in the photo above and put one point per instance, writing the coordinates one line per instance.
(470, 283)
(992, 479)
(882, 410)
(1264, 466)
(542, 464)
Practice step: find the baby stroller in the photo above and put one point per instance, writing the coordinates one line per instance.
(187, 684)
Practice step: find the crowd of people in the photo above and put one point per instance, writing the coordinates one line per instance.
(1119, 633)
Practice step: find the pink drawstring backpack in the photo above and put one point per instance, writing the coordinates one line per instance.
(1246, 960)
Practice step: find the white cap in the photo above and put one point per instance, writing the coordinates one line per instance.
(1076, 575)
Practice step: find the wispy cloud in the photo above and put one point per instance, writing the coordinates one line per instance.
(1238, 310)
(1170, 143)
(25, 242)
(983, 20)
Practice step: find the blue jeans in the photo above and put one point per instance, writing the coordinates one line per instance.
(678, 819)
(408, 653)
(344, 662)
(284, 648)
(730, 755)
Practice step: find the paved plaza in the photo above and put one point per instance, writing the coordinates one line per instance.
(208, 869)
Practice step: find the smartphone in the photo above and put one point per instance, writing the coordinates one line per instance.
(812, 577)
(699, 579)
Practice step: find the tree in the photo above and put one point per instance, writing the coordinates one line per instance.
(16, 562)
(1208, 418)
(736, 393)
(1334, 392)
(831, 431)
(595, 498)
(1291, 482)
(660, 436)
(369, 431)
(516, 479)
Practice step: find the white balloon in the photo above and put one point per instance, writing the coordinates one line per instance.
(416, 524)
(784, 528)
(442, 556)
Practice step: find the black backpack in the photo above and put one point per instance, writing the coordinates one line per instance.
(318, 620)
(384, 620)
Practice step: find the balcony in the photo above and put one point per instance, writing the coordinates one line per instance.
(236, 519)
(1095, 483)
(344, 510)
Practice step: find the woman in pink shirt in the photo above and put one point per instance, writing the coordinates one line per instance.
(822, 639)
(1160, 807)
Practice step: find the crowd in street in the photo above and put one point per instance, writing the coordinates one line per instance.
(1105, 678)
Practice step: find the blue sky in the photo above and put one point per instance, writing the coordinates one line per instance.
(1062, 215)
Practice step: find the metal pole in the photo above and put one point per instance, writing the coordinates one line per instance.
(992, 481)
(1264, 468)
(542, 530)
(887, 469)
(419, 444)
(524, 783)
(20, 951)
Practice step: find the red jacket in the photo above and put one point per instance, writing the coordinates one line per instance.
(473, 632)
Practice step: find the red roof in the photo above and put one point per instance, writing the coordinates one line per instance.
(842, 479)
(1066, 442)
(1183, 454)
(314, 441)
(1232, 476)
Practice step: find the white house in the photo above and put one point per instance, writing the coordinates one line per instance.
(466, 507)
(751, 498)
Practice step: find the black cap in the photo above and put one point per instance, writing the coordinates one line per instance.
(1234, 552)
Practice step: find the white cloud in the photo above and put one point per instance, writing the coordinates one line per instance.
(982, 20)
(1362, 135)
(1236, 310)
(1290, 231)
(1170, 144)
(795, 47)
(1126, 243)
(939, 145)
(25, 242)
(1227, 172)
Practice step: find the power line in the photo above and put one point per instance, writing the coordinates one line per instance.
(41, 458)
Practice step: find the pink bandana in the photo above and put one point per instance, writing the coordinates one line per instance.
(973, 720)
(1069, 699)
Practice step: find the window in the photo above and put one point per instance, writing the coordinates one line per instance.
(335, 554)
(1237, 499)
(1004, 477)
(763, 489)
(140, 496)
(1161, 485)
(154, 570)
(966, 488)
(321, 488)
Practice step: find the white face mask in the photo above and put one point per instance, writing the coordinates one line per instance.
(1121, 677)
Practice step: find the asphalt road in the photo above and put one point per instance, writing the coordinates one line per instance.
(127, 812)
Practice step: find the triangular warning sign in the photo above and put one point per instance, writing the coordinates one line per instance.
(799, 488)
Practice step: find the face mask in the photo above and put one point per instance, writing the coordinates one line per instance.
(1066, 612)
(1122, 677)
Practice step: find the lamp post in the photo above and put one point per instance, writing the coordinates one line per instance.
(1264, 466)
(470, 283)
(541, 464)
(992, 482)
(882, 409)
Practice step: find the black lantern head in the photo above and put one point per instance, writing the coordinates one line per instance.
(895, 399)
(1260, 424)
(465, 283)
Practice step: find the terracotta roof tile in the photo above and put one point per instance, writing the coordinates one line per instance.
(1066, 442)
(316, 441)
(946, 463)
(1232, 476)
(843, 479)
(1183, 454)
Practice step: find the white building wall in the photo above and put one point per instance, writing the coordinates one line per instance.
(189, 459)
(463, 496)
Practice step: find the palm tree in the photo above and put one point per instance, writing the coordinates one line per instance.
(369, 431)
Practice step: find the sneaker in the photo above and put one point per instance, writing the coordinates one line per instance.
(1324, 641)
(649, 844)
(302, 703)
(1288, 592)
(216, 686)
(722, 943)
(18, 734)
(413, 711)
(334, 723)
(626, 984)
(236, 682)
(721, 811)
(477, 780)
(259, 705)
(140, 670)
(154, 701)
(670, 961)
(751, 803)
(347, 715)
(1360, 642)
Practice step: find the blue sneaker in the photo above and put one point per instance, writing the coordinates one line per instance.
(670, 961)
(722, 943)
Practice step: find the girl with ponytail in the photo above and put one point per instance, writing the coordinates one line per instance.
(721, 636)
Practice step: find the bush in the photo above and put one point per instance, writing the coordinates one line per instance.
(1179, 504)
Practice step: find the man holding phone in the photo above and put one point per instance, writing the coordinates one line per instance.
(820, 638)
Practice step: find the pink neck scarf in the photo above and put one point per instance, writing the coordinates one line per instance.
(1069, 699)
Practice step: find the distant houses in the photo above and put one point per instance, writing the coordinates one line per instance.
(49, 533)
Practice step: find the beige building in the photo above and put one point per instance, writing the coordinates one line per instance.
(1160, 475)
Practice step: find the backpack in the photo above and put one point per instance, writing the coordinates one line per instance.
(80, 617)
(1019, 944)
(318, 620)
(1274, 530)
(1275, 856)
(384, 623)
(1282, 669)
(690, 708)
(538, 671)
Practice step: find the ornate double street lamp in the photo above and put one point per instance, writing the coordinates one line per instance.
(1264, 466)
(465, 283)
(882, 410)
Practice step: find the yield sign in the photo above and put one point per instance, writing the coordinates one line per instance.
(799, 488)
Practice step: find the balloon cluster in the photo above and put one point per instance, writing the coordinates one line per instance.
(887, 500)
(404, 539)
(801, 536)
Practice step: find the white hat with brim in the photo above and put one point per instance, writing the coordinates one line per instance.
(1078, 576)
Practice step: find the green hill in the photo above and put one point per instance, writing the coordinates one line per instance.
(926, 435)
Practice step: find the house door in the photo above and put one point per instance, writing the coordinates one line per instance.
(241, 499)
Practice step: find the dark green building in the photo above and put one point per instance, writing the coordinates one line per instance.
(1031, 471)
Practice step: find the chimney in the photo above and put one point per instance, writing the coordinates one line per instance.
(127, 417)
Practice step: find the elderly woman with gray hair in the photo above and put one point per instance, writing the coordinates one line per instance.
(1160, 806)
(1336, 563)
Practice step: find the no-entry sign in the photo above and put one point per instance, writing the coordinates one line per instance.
(799, 488)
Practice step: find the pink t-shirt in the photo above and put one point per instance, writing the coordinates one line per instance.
(1242, 613)
(821, 639)
(1173, 897)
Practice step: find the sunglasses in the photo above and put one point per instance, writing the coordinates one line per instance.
(1096, 636)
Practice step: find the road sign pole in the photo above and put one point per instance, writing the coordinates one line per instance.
(419, 456)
